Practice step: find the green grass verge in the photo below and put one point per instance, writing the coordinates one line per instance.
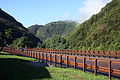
(7, 55)
(14, 67)
(72, 74)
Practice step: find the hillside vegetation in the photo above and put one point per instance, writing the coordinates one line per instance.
(100, 32)
(54, 28)
(14, 33)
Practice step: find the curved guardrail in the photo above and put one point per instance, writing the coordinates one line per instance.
(111, 67)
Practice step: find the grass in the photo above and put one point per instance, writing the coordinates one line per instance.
(72, 74)
(7, 55)
(14, 67)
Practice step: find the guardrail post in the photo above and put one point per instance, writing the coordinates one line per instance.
(46, 58)
(84, 65)
(95, 67)
(75, 62)
(42, 57)
(109, 73)
(61, 61)
(39, 56)
(55, 60)
(36, 55)
(33, 54)
(30, 54)
(67, 61)
(27, 53)
(50, 59)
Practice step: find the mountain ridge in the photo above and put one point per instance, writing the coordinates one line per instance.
(7, 22)
(100, 32)
(54, 28)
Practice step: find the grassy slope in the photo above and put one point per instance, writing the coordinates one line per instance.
(14, 68)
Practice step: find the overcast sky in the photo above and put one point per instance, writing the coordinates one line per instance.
(30, 12)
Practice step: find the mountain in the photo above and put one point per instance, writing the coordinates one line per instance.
(12, 30)
(100, 32)
(54, 28)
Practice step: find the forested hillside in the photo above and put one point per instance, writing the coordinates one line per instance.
(54, 28)
(100, 32)
(14, 33)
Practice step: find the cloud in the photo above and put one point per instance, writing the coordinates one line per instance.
(66, 16)
(89, 8)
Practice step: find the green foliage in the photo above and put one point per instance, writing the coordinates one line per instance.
(54, 42)
(54, 28)
(100, 32)
(10, 30)
(5, 37)
(22, 42)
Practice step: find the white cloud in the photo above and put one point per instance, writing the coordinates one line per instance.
(66, 16)
(91, 7)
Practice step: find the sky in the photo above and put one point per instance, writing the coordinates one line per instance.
(31, 12)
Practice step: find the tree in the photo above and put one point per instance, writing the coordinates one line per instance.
(55, 42)
(5, 38)
(22, 42)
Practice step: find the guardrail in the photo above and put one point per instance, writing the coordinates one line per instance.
(110, 54)
(110, 67)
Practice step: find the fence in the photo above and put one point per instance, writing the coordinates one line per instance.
(110, 54)
(110, 67)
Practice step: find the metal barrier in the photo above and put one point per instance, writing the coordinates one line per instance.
(109, 54)
(110, 67)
